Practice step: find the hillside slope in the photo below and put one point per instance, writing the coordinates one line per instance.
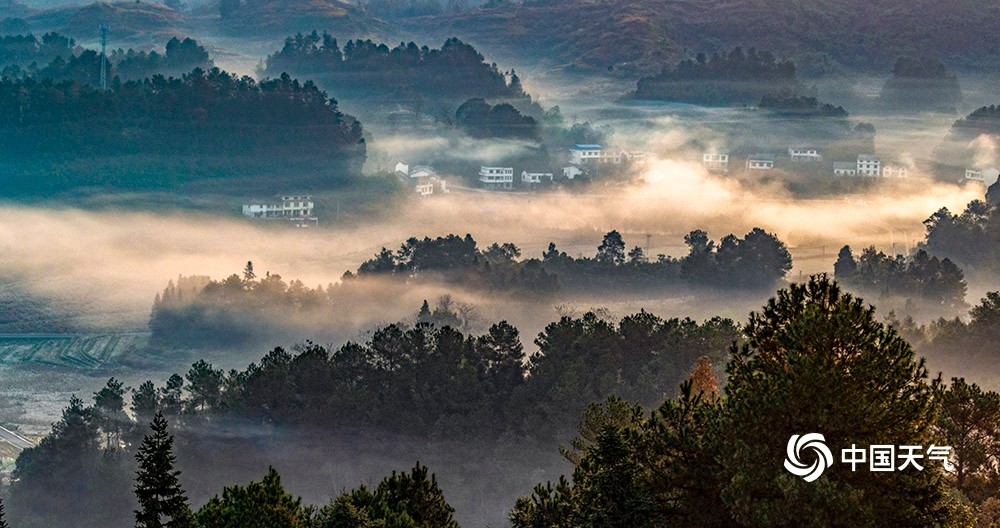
(642, 34)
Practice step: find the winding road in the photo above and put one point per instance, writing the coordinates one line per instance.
(14, 439)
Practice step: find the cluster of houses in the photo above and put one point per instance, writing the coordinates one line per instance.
(864, 165)
(584, 157)
(422, 178)
(294, 208)
(502, 178)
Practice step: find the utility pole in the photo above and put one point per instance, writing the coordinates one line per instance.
(104, 57)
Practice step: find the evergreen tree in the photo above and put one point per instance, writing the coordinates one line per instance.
(403, 500)
(109, 411)
(846, 266)
(817, 360)
(162, 502)
(424, 316)
(248, 274)
(263, 504)
(612, 249)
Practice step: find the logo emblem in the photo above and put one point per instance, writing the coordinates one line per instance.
(798, 444)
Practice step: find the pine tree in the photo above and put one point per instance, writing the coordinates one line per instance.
(3, 521)
(818, 360)
(846, 266)
(248, 274)
(162, 502)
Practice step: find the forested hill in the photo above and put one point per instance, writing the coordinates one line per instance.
(734, 76)
(211, 116)
(363, 68)
(644, 35)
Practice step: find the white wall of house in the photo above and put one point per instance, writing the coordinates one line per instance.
(497, 177)
(869, 166)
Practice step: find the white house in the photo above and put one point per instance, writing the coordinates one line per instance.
(428, 186)
(760, 162)
(986, 176)
(637, 156)
(845, 168)
(297, 208)
(579, 154)
(535, 178)
(402, 169)
(497, 177)
(262, 209)
(424, 188)
(869, 165)
(296, 204)
(804, 154)
(571, 171)
(895, 171)
(716, 161)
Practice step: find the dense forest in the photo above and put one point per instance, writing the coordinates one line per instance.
(921, 84)
(970, 239)
(922, 278)
(733, 77)
(787, 105)
(656, 438)
(481, 120)
(58, 58)
(406, 73)
(757, 261)
(24, 50)
(425, 384)
(233, 125)
(984, 120)
(959, 341)
(197, 312)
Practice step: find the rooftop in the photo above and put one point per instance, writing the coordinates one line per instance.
(585, 147)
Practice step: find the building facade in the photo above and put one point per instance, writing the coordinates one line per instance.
(869, 165)
(845, 168)
(760, 162)
(716, 161)
(497, 178)
(804, 154)
(296, 208)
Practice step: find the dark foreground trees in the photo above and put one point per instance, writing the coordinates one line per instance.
(815, 360)
(162, 502)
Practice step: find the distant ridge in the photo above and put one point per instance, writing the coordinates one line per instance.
(645, 34)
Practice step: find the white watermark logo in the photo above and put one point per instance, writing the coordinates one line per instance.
(814, 442)
(877, 458)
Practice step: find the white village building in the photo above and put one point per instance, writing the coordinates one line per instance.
(895, 171)
(986, 176)
(571, 171)
(497, 178)
(760, 162)
(423, 179)
(535, 178)
(580, 154)
(845, 168)
(294, 207)
(804, 154)
(716, 161)
(869, 165)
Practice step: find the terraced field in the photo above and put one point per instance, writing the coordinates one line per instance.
(69, 350)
